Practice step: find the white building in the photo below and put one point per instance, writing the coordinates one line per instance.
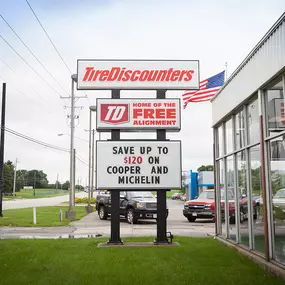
(249, 137)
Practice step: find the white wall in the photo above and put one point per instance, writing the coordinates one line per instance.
(266, 60)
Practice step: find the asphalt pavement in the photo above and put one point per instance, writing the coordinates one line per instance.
(39, 202)
(91, 225)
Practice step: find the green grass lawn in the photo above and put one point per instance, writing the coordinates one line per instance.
(40, 193)
(46, 217)
(196, 261)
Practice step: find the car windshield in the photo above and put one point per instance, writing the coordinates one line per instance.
(145, 194)
(280, 194)
(207, 195)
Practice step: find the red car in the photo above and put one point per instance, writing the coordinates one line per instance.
(204, 207)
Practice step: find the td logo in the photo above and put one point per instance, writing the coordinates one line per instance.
(114, 113)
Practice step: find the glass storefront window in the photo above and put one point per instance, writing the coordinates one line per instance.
(221, 195)
(229, 136)
(257, 202)
(231, 197)
(275, 109)
(277, 164)
(240, 130)
(253, 122)
(220, 142)
(243, 194)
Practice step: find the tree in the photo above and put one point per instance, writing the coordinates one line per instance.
(37, 178)
(8, 176)
(66, 185)
(206, 168)
(22, 178)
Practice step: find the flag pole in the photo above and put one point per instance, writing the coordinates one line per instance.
(226, 71)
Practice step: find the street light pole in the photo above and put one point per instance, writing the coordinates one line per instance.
(71, 204)
(14, 183)
(92, 182)
(90, 161)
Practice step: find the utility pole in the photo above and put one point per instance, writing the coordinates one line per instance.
(2, 146)
(92, 182)
(35, 183)
(56, 183)
(15, 175)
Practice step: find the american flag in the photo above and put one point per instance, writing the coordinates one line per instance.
(208, 88)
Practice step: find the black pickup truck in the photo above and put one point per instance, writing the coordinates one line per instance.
(134, 205)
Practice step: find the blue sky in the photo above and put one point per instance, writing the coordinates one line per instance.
(214, 32)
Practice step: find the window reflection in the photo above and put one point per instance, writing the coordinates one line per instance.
(253, 122)
(220, 140)
(277, 164)
(275, 109)
(258, 212)
(222, 209)
(240, 130)
(231, 197)
(243, 191)
(229, 136)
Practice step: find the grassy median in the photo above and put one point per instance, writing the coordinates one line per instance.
(196, 261)
(46, 217)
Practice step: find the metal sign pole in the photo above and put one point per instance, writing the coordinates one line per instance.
(115, 194)
(161, 194)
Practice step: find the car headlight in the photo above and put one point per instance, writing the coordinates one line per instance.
(208, 206)
(185, 206)
(140, 205)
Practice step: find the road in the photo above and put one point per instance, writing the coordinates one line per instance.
(92, 225)
(39, 202)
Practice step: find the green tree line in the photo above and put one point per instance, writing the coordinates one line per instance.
(34, 178)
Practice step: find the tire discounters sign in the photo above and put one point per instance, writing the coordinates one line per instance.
(138, 74)
(138, 165)
(138, 114)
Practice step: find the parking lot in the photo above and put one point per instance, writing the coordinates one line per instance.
(176, 223)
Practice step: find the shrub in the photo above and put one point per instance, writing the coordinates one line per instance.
(84, 200)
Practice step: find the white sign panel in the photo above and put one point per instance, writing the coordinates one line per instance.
(138, 74)
(138, 165)
(138, 114)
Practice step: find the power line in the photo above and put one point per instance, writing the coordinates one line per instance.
(49, 37)
(82, 161)
(35, 141)
(32, 53)
(25, 94)
(29, 65)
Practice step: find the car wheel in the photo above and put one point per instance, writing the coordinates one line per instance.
(232, 220)
(131, 216)
(255, 213)
(191, 219)
(102, 213)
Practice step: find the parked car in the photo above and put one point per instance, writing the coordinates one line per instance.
(176, 196)
(134, 205)
(183, 197)
(204, 207)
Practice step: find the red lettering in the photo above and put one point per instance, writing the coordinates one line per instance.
(148, 114)
(183, 72)
(171, 113)
(175, 75)
(137, 113)
(160, 113)
(87, 73)
(189, 75)
(103, 76)
(135, 76)
(113, 74)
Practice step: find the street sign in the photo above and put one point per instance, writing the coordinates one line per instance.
(138, 74)
(138, 114)
(138, 165)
